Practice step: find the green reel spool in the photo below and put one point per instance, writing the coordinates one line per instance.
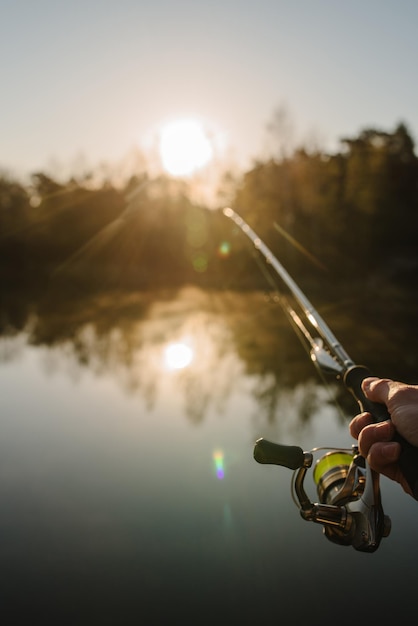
(329, 474)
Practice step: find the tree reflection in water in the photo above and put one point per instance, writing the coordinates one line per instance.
(126, 334)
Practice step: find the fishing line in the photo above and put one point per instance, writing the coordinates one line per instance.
(296, 323)
(299, 246)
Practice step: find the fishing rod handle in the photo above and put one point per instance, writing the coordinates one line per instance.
(408, 460)
(268, 452)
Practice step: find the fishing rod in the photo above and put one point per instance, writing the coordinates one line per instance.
(350, 504)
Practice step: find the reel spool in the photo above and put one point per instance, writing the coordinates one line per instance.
(330, 473)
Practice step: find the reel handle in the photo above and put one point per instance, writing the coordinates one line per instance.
(268, 452)
(408, 460)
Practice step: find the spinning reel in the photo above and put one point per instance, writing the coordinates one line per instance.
(349, 507)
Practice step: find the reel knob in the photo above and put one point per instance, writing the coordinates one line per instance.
(271, 453)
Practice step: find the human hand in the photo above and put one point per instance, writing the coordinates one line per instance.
(375, 439)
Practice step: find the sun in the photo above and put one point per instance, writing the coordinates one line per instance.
(184, 147)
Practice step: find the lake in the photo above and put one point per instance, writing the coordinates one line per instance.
(128, 489)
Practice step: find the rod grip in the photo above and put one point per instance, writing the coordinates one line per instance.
(408, 460)
(278, 454)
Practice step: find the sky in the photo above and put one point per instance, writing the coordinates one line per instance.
(89, 82)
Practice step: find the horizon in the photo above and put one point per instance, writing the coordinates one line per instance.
(89, 86)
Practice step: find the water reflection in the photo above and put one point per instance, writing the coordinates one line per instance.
(177, 356)
(146, 341)
(128, 488)
(200, 341)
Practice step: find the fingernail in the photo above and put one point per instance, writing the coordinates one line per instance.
(391, 451)
(366, 385)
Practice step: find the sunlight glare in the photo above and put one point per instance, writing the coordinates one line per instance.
(184, 147)
(177, 356)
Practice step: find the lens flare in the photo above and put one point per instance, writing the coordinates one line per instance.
(224, 249)
(218, 459)
(200, 262)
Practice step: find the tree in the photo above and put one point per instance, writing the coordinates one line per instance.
(14, 206)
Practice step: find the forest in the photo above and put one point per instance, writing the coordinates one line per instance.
(330, 218)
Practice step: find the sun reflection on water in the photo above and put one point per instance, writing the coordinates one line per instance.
(178, 355)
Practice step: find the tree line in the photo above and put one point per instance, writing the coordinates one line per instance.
(358, 206)
(353, 211)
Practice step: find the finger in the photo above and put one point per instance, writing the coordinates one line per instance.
(358, 423)
(375, 433)
(383, 457)
(377, 389)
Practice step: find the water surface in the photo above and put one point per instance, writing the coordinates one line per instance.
(128, 489)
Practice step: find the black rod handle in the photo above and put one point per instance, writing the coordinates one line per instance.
(408, 460)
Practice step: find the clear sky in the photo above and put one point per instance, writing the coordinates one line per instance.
(99, 77)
